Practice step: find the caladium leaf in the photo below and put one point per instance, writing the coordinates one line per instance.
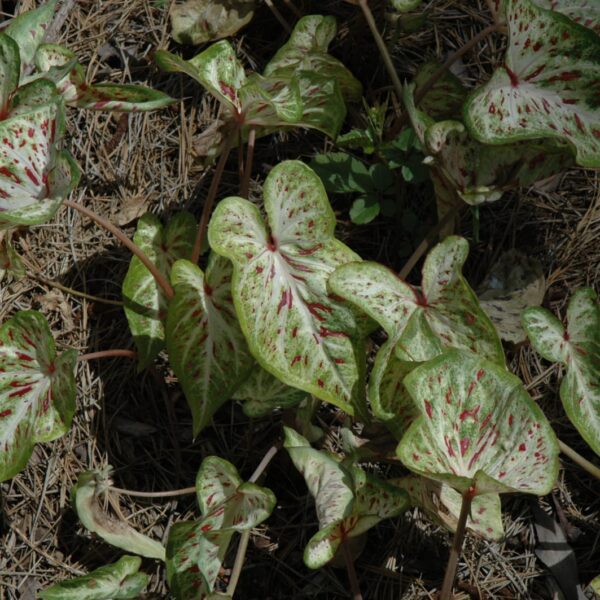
(348, 501)
(583, 12)
(306, 50)
(478, 429)
(199, 21)
(442, 504)
(85, 498)
(577, 347)
(37, 389)
(262, 393)
(60, 65)
(515, 282)
(405, 5)
(294, 328)
(10, 261)
(28, 31)
(195, 550)
(206, 347)
(10, 66)
(445, 99)
(120, 580)
(595, 585)
(145, 302)
(547, 88)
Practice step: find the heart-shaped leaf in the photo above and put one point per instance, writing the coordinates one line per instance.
(306, 50)
(85, 498)
(199, 21)
(583, 12)
(294, 328)
(262, 393)
(145, 302)
(577, 347)
(195, 550)
(405, 5)
(348, 502)
(118, 581)
(419, 324)
(28, 31)
(37, 389)
(548, 86)
(445, 99)
(442, 504)
(206, 347)
(478, 428)
(10, 68)
(60, 65)
(514, 283)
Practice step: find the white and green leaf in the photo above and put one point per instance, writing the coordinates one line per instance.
(583, 12)
(10, 69)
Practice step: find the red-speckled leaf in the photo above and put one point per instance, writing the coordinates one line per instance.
(478, 427)
(118, 581)
(37, 390)
(10, 261)
(445, 99)
(577, 347)
(294, 328)
(10, 66)
(217, 69)
(262, 393)
(548, 87)
(442, 504)
(583, 12)
(28, 31)
(195, 550)
(306, 51)
(206, 347)
(145, 302)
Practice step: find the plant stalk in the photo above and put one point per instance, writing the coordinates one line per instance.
(210, 200)
(106, 224)
(168, 494)
(459, 538)
(385, 55)
(585, 464)
(107, 354)
(354, 585)
(245, 186)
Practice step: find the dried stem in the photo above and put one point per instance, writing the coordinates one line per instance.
(245, 185)
(107, 354)
(354, 585)
(459, 538)
(278, 16)
(385, 55)
(210, 199)
(106, 224)
(585, 464)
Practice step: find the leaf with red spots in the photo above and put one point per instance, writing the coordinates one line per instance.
(478, 427)
(583, 12)
(442, 504)
(87, 503)
(10, 66)
(306, 51)
(37, 390)
(118, 581)
(28, 31)
(295, 329)
(549, 86)
(577, 347)
(419, 324)
(348, 501)
(146, 302)
(206, 347)
(262, 393)
(195, 550)
(10, 261)
(60, 65)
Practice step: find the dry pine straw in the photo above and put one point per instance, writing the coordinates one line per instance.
(140, 423)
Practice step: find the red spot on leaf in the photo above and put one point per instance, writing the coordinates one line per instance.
(428, 409)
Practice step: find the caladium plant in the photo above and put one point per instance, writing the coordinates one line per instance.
(576, 346)
(295, 329)
(145, 301)
(420, 324)
(195, 550)
(37, 389)
(547, 87)
(348, 501)
(118, 581)
(206, 347)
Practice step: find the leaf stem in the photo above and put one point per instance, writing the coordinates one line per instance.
(354, 585)
(168, 494)
(459, 538)
(245, 185)
(385, 55)
(106, 224)
(210, 199)
(278, 16)
(107, 354)
(585, 464)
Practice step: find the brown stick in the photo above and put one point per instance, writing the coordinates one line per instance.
(107, 354)
(106, 224)
(245, 186)
(354, 585)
